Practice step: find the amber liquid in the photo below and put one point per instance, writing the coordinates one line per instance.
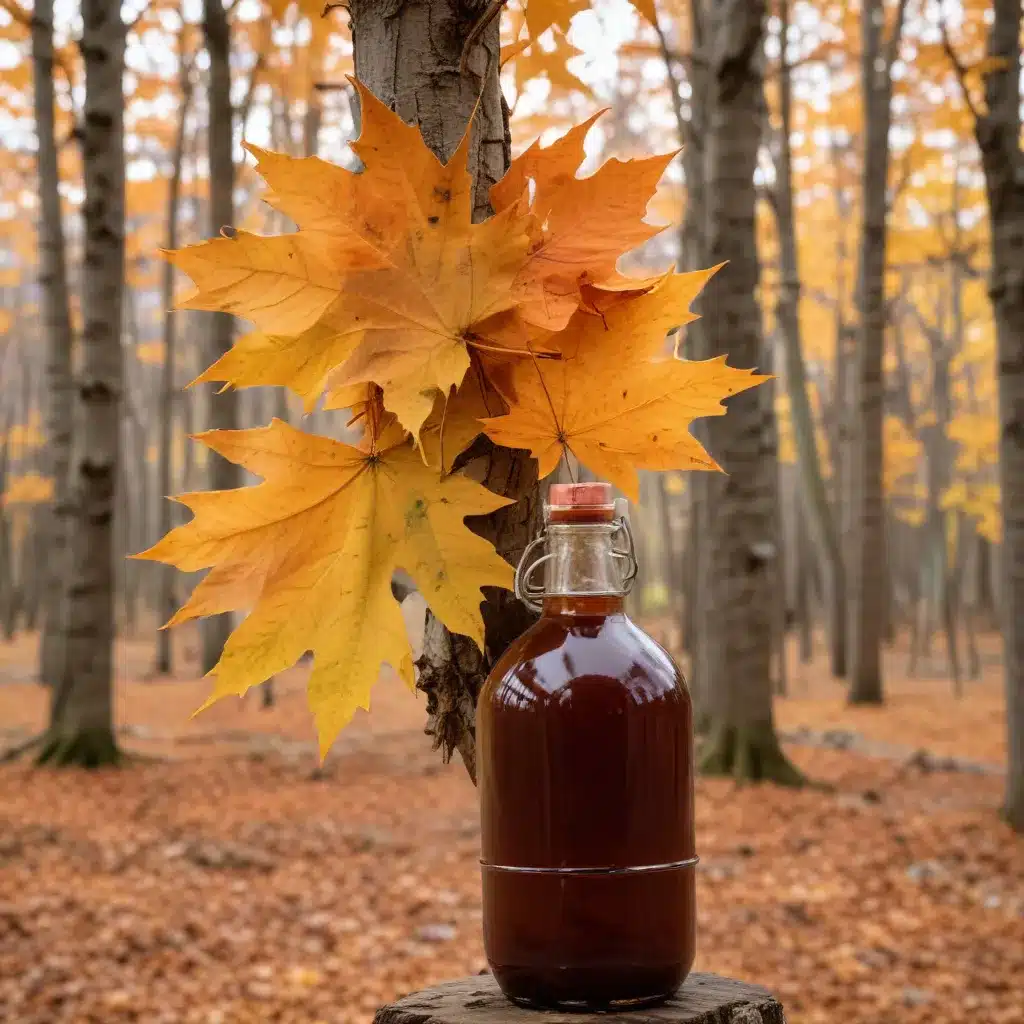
(585, 758)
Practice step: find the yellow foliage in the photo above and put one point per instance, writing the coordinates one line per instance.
(22, 438)
(538, 62)
(390, 281)
(421, 322)
(151, 353)
(311, 551)
(542, 14)
(27, 489)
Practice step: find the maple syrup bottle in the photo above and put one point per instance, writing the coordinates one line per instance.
(585, 766)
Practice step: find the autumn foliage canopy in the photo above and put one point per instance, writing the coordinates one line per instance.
(390, 302)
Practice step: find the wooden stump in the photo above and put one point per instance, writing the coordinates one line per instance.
(703, 999)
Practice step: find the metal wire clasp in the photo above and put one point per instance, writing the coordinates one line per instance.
(530, 592)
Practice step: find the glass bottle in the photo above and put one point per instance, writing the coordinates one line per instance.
(585, 767)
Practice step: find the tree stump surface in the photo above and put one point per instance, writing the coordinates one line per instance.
(703, 999)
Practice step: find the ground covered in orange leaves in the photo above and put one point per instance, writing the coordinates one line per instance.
(224, 877)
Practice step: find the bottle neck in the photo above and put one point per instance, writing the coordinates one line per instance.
(582, 575)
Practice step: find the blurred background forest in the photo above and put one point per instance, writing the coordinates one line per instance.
(892, 623)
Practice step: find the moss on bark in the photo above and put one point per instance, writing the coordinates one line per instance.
(748, 754)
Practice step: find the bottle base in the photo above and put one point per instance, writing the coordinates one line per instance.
(582, 1006)
(583, 990)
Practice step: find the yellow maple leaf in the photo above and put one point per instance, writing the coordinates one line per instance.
(310, 552)
(611, 401)
(454, 423)
(388, 269)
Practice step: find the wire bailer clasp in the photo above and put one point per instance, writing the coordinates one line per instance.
(623, 549)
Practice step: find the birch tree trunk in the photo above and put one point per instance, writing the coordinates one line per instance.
(57, 334)
(738, 575)
(867, 576)
(166, 601)
(816, 508)
(408, 53)
(223, 408)
(81, 718)
(998, 132)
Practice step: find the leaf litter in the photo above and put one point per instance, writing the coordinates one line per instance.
(238, 881)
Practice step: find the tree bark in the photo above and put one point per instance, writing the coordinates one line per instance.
(57, 332)
(816, 508)
(81, 723)
(703, 999)
(692, 131)
(998, 133)
(867, 578)
(166, 599)
(737, 577)
(7, 577)
(408, 54)
(223, 409)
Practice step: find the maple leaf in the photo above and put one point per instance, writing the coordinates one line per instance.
(387, 269)
(551, 64)
(582, 225)
(311, 551)
(542, 14)
(611, 400)
(457, 420)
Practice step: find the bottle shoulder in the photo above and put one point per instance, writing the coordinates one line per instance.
(572, 651)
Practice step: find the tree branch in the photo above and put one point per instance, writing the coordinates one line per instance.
(892, 48)
(959, 68)
(494, 8)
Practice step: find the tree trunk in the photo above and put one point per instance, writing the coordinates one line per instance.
(998, 132)
(738, 575)
(7, 578)
(223, 409)
(867, 583)
(408, 54)
(166, 599)
(817, 512)
(805, 621)
(81, 723)
(57, 333)
(692, 246)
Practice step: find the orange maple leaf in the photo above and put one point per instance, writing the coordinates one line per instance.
(614, 400)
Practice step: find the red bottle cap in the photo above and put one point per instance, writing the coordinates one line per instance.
(588, 494)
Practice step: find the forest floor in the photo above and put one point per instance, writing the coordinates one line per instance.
(226, 878)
